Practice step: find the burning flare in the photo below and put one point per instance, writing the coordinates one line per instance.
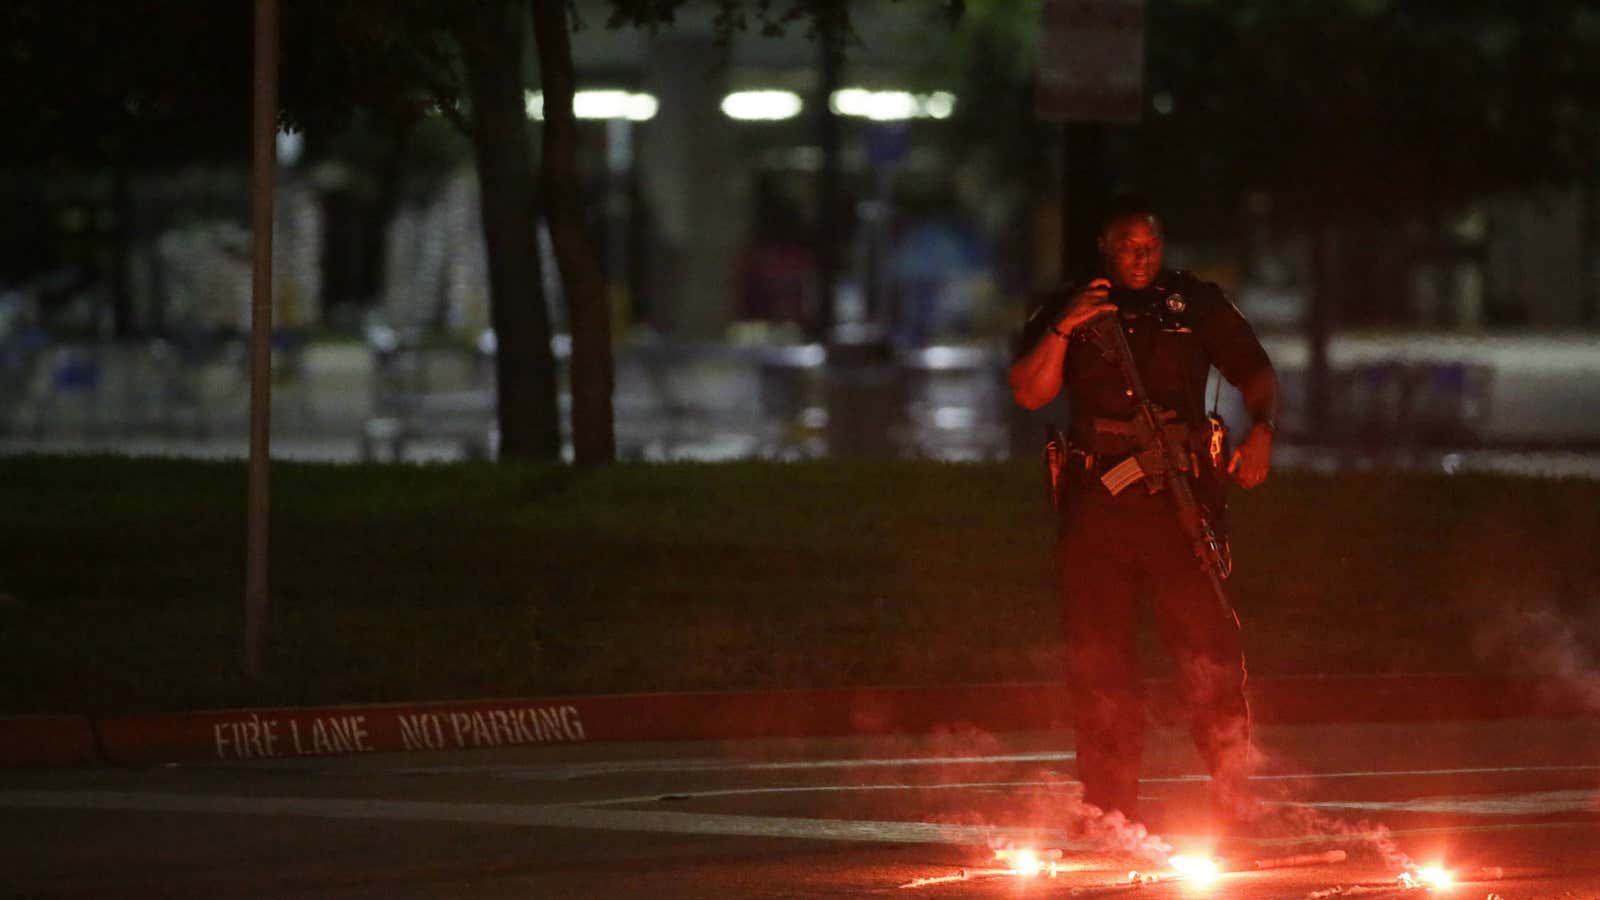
(1026, 861)
(1436, 876)
(1199, 869)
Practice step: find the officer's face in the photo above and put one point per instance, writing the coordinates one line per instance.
(1131, 247)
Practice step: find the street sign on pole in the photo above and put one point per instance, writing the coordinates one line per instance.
(1091, 61)
(264, 163)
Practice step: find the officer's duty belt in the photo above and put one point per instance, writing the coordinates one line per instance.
(1104, 452)
(1113, 437)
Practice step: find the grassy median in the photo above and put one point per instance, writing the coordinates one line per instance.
(121, 581)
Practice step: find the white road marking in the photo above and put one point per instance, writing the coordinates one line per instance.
(1064, 782)
(823, 788)
(1531, 804)
(536, 815)
(1391, 773)
(561, 771)
(571, 771)
(1385, 835)
(663, 822)
(1480, 804)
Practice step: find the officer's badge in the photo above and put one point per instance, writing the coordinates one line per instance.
(1176, 304)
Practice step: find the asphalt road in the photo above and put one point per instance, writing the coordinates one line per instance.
(829, 817)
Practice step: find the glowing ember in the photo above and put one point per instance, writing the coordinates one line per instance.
(937, 879)
(1199, 869)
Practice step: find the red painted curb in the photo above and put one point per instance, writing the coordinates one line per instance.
(282, 733)
(46, 741)
(1402, 698)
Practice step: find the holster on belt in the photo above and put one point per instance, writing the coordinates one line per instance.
(1055, 460)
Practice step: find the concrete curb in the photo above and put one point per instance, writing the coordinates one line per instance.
(1403, 698)
(46, 741)
(279, 733)
(225, 735)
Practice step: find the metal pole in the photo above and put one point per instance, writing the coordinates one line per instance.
(830, 215)
(263, 165)
(1083, 197)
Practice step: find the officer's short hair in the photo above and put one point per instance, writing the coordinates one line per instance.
(1129, 206)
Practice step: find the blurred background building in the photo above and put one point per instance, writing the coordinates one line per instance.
(815, 256)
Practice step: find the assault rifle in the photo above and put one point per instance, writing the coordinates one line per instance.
(1162, 459)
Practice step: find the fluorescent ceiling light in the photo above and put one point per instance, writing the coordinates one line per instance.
(762, 106)
(939, 104)
(601, 105)
(892, 106)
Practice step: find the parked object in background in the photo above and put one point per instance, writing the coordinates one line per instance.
(426, 388)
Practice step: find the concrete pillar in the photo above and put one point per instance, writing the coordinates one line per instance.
(1535, 256)
(693, 185)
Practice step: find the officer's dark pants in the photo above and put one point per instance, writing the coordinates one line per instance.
(1112, 551)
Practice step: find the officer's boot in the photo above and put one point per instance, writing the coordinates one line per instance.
(1109, 741)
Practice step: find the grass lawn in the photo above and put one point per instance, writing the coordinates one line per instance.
(121, 581)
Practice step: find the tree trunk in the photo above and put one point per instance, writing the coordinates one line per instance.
(593, 438)
(526, 408)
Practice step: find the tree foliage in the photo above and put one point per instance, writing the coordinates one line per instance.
(827, 20)
(1339, 109)
(142, 82)
(1368, 109)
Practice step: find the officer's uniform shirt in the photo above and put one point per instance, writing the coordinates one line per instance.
(1177, 328)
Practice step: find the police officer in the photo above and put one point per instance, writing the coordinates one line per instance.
(1115, 548)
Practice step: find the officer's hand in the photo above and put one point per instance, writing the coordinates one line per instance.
(1092, 301)
(1253, 457)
